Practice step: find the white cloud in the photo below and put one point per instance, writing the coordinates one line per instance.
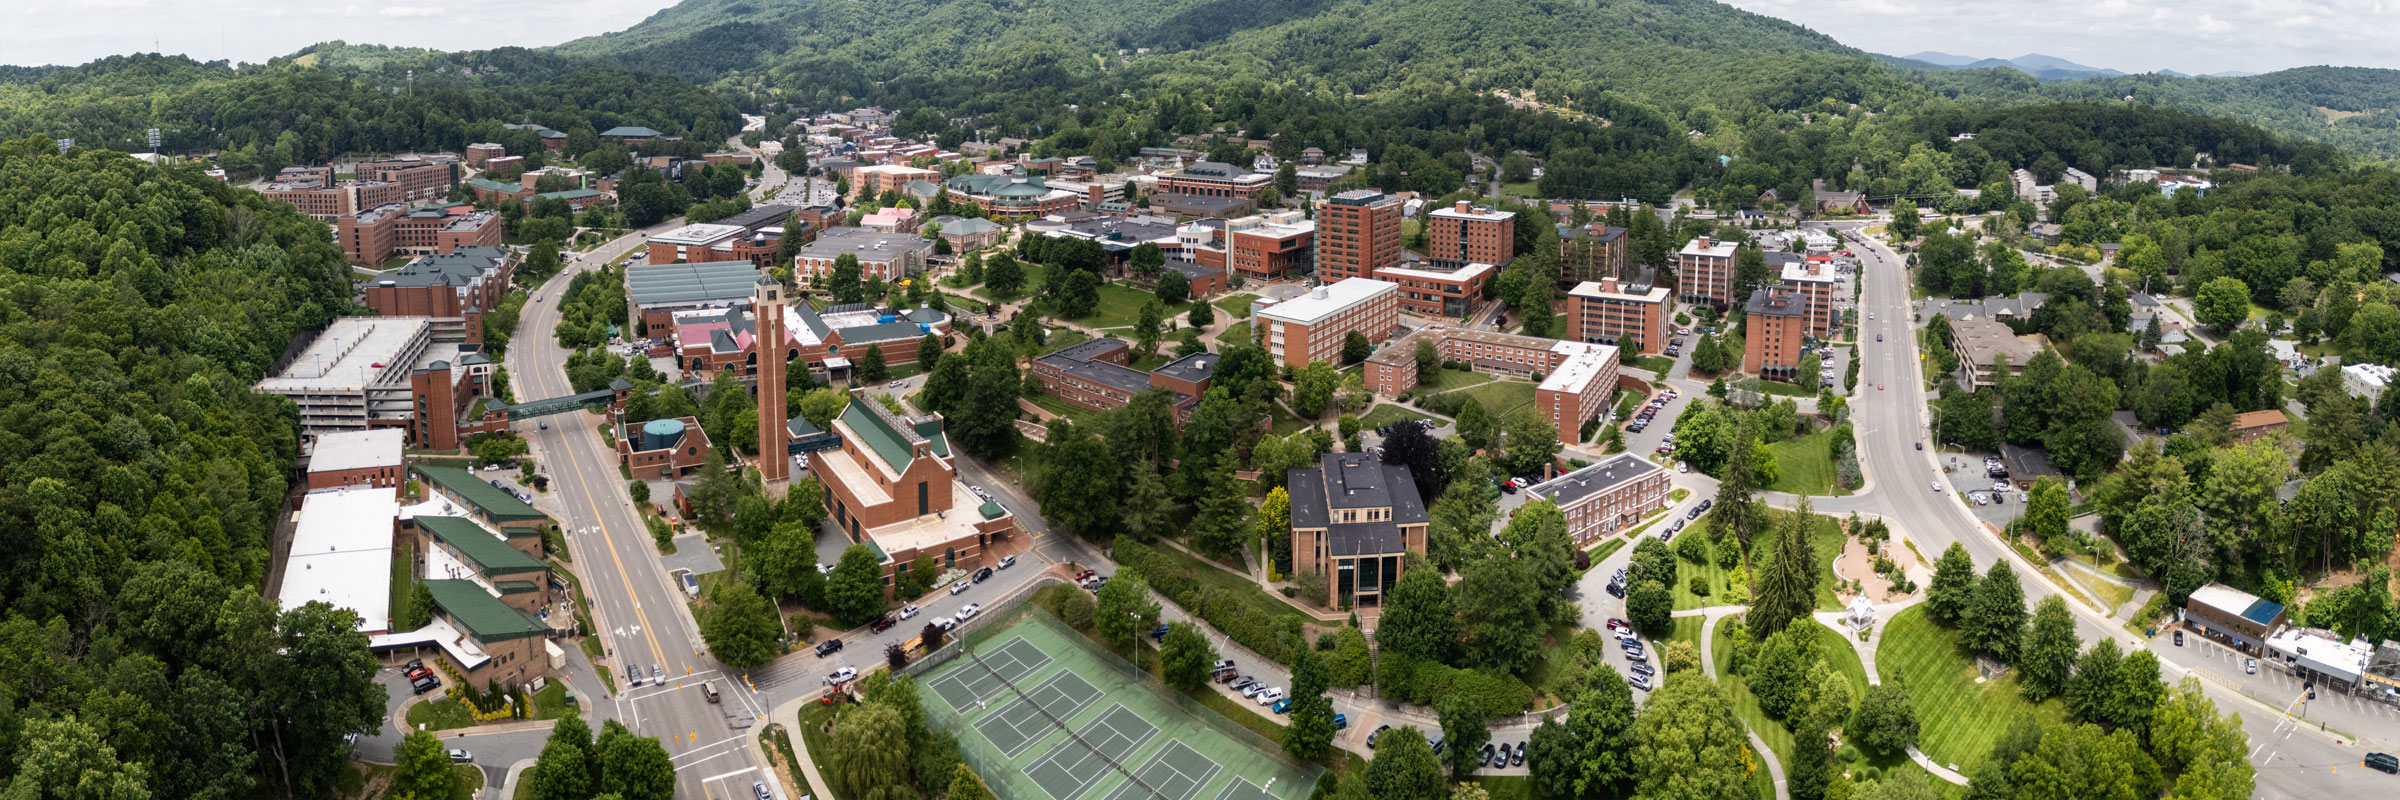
(77, 31)
(414, 11)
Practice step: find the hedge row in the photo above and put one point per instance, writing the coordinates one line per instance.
(1243, 617)
(1427, 683)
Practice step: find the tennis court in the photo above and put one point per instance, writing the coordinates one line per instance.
(1045, 714)
(1018, 725)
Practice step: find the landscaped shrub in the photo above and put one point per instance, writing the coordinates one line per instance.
(1269, 632)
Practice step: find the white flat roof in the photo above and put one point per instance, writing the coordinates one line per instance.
(346, 355)
(457, 643)
(348, 450)
(1584, 362)
(342, 554)
(1310, 307)
(1476, 212)
(1715, 249)
(697, 234)
(2223, 598)
(1799, 271)
(1592, 289)
(1464, 273)
(2344, 660)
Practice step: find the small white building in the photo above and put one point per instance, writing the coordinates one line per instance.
(2366, 380)
(1860, 614)
(2314, 657)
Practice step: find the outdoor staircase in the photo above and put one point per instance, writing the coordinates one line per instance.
(1374, 650)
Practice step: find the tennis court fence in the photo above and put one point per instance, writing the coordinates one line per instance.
(1062, 724)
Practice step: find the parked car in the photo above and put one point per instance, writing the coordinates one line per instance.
(946, 623)
(2250, 666)
(828, 647)
(1084, 575)
(1615, 625)
(984, 574)
(2385, 762)
(1341, 721)
(882, 623)
(759, 790)
(1643, 668)
(1517, 759)
(1484, 759)
(1243, 682)
(1160, 632)
(2179, 638)
(1437, 742)
(1377, 732)
(908, 611)
(1221, 665)
(841, 676)
(967, 612)
(461, 757)
(1704, 504)
(1638, 682)
(1283, 706)
(423, 685)
(1269, 696)
(1228, 676)
(1007, 561)
(959, 587)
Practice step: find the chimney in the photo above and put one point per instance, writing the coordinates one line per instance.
(1702, 242)
(1461, 207)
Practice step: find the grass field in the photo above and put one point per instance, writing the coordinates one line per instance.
(1506, 787)
(1836, 653)
(1805, 465)
(1239, 587)
(1961, 717)
(1684, 570)
(1236, 332)
(1057, 340)
(551, 701)
(1080, 416)
(1120, 303)
(1443, 380)
(1655, 364)
(1781, 389)
(1236, 306)
(1388, 413)
(1284, 421)
(1031, 284)
(1499, 397)
(440, 715)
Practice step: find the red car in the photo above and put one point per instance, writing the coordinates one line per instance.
(1227, 676)
(1615, 624)
(882, 625)
(1085, 575)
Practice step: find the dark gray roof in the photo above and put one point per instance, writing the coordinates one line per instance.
(1358, 480)
(700, 283)
(1597, 233)
(1089, 349)
(1776, 304)
(1195, 202)
(1775, 259)
(800, 426)
(1364, 538)
(808, 317)
(1306, 486)
(1196, 367)
(844, 308)
(459, 268)
(1610, 473)
(1193, 269)
(882, 332)
(1105, 373)
(760, 217)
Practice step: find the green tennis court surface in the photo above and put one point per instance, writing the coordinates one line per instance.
(1044, 714)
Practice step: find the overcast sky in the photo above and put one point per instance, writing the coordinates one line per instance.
(2196, 36)
(76, 31)
(2192, 36)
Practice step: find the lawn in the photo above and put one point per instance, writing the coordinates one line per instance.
(1781, 389)
(1237, 332)
(1385, 414)
(1238, 588)
(1836, 652)
(1443, 380)
(1120, 304)
(1684, 570)
(1058, 339)
(1961, 717)
(1805, 465)
(1032, 283)
(1506, 787)
(440, 715)
(402, 583)
(1285, 422)
(1080, 416)
(1530, 190)
(551, 701)
(1687, 629)
(1656, 364)
(1500, 397)
(1609, 548)
(1236, 306)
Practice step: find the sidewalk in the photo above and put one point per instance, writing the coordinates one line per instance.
(1708, 665)
(788, 716)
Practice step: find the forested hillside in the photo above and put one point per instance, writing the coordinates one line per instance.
(139, 479)
(336, 99)
(1695, 61)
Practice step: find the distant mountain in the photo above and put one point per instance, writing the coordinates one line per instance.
(2041, 67)
(1941, 59)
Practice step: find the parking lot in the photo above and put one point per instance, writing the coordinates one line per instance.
(2272, 684)
(1988, 493)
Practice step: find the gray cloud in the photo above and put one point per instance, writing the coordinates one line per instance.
(2195, 36)
(76, 31)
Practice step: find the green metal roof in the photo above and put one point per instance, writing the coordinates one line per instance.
(888, 444)
(635, 131)
(491, 554)
(516, 587)
(484, 616)
(991, 510)
(570, 194)
(493, 503)
(496, 186)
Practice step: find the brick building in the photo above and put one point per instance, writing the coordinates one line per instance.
(1358, 232)
(1576, 388)
(871, 181)
(665, 449)
(1590, 253)
(1704, 272)
(379, 233)
(1355, 520)
(1093, 374)
(712, 339)
(893, 484)
(1814, 281)
(1576, 378)
(419, 177)
(1312, 327)
(1431, 290)
(492, 192)
(658, 290)
(1603, 311)
(1777, 334)
(1215, 179)
(1470, 234)
(357, 458)
(1259, 247)
(887, 255)
(1608, 497)
(456, 288)
(480, 152)
(1012, 195)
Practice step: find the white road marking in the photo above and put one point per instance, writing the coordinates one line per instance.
(743, 771)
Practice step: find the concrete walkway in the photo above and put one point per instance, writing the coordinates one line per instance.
(788, 716)
(1708, 664)
(1939, 771)
(508, 786)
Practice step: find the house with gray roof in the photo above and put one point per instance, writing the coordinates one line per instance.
(1354, 521)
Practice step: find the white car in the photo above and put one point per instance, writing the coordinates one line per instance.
(908, 611)
(841, 676)
(1268, 697)
(1937, 486)
(1007, 561)
(960, 587)
(1682, 467)
(1253, 690)
(967, 612)
(895, 384)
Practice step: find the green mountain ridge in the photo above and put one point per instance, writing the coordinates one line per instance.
(1674, 55)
